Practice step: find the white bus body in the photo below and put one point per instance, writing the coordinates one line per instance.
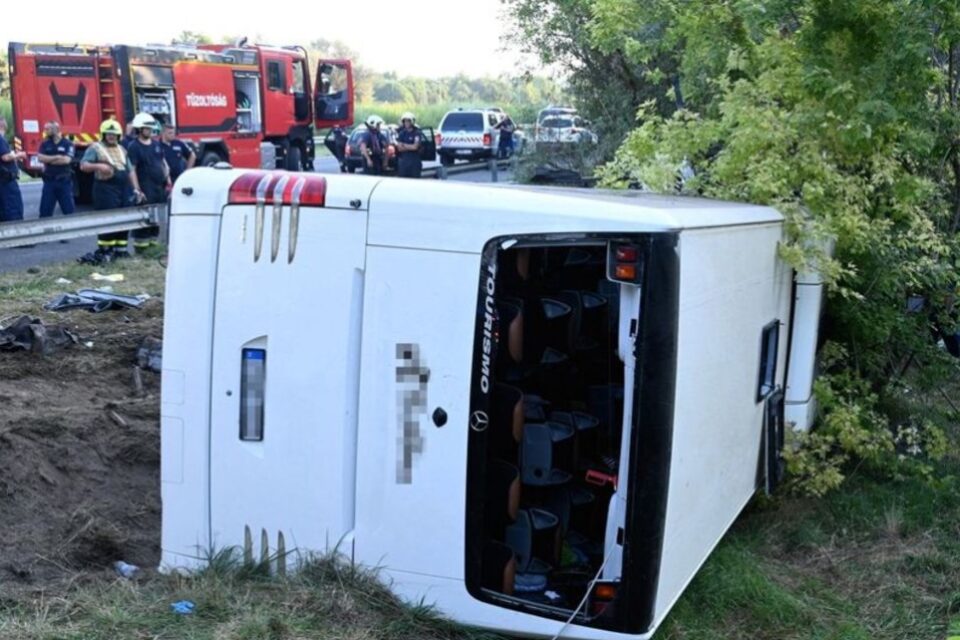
(527, 406)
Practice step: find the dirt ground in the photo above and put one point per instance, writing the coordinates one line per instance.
(79, 452)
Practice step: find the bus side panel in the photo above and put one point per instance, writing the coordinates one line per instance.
(185, 407)
(419, 313)
(732, 285)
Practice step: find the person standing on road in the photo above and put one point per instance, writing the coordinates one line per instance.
(336, 142)
(506, 127)
(373, 147)
(11, 202)
(153, 174)
(409, 137)
(178, 154)
(113, 181)
(56, 154)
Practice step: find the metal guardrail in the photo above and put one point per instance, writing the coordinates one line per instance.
(441, 172)
(79, 225)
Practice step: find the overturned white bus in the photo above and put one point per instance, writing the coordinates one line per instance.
(538, 409)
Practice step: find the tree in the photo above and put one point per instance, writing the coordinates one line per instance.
(392, 91)
(841, 113)
(607, 85)
(192, 37)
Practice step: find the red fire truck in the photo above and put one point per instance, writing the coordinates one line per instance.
(227, 100)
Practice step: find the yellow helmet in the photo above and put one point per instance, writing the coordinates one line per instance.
(110, 126)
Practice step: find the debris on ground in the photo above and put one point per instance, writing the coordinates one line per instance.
(183, 607)
(95, 301)
(113, 277)
(125, 570)
(30, 334)
(150, 354)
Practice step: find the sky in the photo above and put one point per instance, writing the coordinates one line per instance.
(412, 37)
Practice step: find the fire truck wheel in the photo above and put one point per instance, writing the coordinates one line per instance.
(293, 158)
(210, 158)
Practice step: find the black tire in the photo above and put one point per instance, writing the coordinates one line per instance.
(210, 158)
(293, 162)
(446, 160)
(351, 168)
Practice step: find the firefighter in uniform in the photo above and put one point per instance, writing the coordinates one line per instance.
(373, 147)
(409, 139)
(113, 183)
(56, 154)
(178, 154)
(11, 202)
(152, 172)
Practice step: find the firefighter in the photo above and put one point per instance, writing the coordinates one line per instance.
(113, 182)
(409, 139)
(56, 154)
(373, 147)
(178, 154)
(11, 202)
(152, 174)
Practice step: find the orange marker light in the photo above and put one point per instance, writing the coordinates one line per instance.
(605, 592)
(625, 272)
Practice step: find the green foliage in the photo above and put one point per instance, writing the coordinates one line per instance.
(6, 112)
(835, 113)
(193, 37)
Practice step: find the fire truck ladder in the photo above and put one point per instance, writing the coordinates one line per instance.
(106, 76)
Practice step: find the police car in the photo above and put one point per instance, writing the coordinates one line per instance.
(469, 134)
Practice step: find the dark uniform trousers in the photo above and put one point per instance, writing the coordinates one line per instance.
(58, 190)
(112, 194)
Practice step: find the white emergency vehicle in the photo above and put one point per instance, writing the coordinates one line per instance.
(538, 409)
(468, 134)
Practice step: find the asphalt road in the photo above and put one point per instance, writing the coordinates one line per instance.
(53, 252)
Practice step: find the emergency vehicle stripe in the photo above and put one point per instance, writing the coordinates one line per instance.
(84, 137)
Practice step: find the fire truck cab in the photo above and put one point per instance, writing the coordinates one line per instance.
(537, 409)
(227, 100)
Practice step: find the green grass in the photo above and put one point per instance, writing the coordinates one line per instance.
(25, 292)
(329, 598)
(878, 559)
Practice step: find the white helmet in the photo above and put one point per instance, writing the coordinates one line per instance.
(142, 120)
(374, 121)
(408, 116)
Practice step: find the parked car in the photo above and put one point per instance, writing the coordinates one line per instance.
(568, 128)
(468, 134)
(552, 111)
